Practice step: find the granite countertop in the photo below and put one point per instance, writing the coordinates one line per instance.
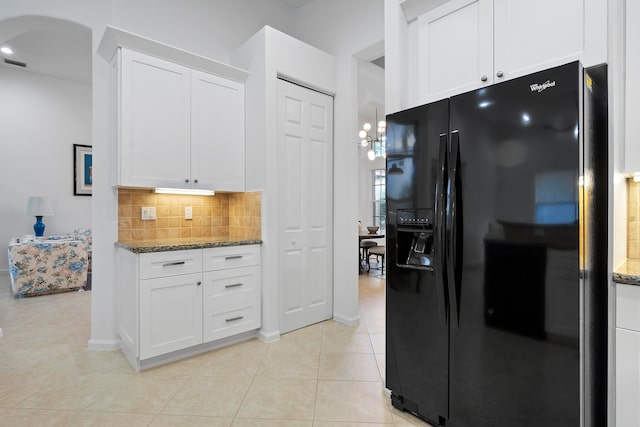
(164, 245)
(628, 273)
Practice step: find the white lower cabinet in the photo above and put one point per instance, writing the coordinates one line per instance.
(230, 319)
(627, 355)
(170, 314)
(170, 305)
(627, 378)
(231, 302)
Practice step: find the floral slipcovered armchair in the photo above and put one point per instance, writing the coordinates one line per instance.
(85, 234)
(47, 266)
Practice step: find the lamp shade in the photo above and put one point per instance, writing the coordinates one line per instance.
(39, 206)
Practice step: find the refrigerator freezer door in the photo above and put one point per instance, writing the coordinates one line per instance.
(417, 348)
(515, 351)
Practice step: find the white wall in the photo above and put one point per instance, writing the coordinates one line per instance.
(370, 97)
(266, 55)
(211, 29)
(344, 29)
(40, 119)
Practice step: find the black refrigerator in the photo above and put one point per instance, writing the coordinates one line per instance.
(497, 254)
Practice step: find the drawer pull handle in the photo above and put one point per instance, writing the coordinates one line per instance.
(235, 318)
(169, 264)
(233, 257)
(234, 285)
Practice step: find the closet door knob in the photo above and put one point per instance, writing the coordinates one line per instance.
(484, 78)
(186, 180)
(499, 74)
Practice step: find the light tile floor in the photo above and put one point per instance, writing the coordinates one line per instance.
(325, 375)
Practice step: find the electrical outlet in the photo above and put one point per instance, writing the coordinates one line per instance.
(148, 213)
(188, 212)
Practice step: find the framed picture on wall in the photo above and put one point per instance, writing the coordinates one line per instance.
(82, 170)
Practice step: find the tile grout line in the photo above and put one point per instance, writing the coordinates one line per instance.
(253, 379)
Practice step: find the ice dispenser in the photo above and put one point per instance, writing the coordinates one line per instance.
(414, 244)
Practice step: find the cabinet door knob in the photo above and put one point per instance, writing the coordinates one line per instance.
(484, 78)
(195, 181)
(198, 283)
(293, 241)
(186, 180)
(499, 74)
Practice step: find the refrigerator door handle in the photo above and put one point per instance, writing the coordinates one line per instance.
(451, 230)
(439, 230)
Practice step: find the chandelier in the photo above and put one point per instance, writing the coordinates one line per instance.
(371, 140)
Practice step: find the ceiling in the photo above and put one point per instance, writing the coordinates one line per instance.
(48, 46)
(56, 47)
(297, 3)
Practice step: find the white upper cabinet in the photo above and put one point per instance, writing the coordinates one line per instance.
(632, 88)
(178, 119)
(217, 132)
(456, 48)
(467, 44)
(532, 35)
(155, 122)
(180, 127)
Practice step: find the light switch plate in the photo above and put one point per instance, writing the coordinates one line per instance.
(188, 212)
(148, 213)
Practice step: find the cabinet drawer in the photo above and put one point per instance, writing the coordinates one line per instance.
(229, 285)
(163, 264)
(628, 307)
(229, 319)
(230, 257)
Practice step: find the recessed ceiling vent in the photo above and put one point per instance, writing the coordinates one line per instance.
(379, 62)
(16, 63)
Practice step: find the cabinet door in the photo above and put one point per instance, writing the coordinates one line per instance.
(217, 133)
(456, 48)
(632, 88)
(532, 35)
(170, 314)
(627, 378)
(155, 125)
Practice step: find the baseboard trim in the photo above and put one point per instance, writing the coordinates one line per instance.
(268, 337)
(349, 321)
(103, 345)
(191, 351)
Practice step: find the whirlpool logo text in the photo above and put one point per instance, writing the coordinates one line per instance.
(537, 87)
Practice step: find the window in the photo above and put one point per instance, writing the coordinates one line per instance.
(379, 180)
(379, 148)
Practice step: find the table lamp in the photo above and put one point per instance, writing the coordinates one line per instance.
(39, 206)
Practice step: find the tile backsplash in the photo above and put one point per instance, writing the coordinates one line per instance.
(225, 215)
(633, 219)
